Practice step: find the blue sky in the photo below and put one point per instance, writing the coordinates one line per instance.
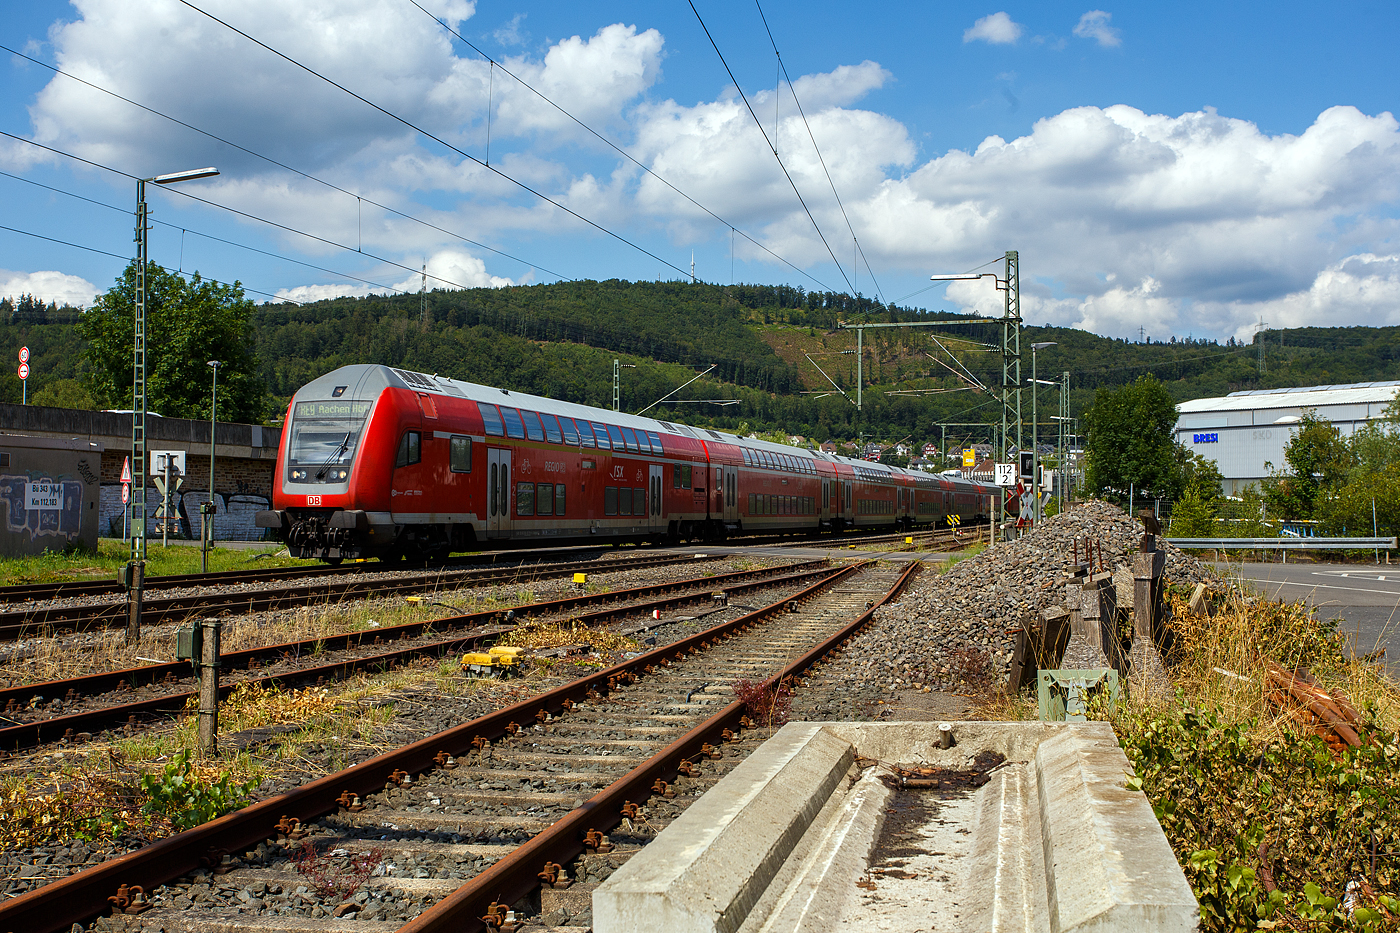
(1183, 169)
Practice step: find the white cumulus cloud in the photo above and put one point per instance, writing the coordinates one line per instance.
(1094, 25)
(997, 29)
(48, 286)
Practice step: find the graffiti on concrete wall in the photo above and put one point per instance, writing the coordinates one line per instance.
(42, 506)
(234, 519)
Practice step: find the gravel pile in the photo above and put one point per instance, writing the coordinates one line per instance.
(946, 621)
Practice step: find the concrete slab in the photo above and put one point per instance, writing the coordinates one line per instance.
(814, 832)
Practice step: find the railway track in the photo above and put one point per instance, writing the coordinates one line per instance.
(33, 592)
(500, 811)
(77, 708)
(40, 619)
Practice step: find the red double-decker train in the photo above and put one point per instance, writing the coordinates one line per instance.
(390, 463)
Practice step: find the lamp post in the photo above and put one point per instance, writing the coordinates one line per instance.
(206, 525)
(135, 572)
(1035, 432)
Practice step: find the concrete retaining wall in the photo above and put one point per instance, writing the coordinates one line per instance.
(1054, 842)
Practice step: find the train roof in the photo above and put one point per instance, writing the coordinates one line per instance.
(368, 379)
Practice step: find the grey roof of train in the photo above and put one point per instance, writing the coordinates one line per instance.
(444, 385)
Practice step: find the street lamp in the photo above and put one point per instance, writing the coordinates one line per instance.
(136, 564)
(206, 525)
(1035, 431)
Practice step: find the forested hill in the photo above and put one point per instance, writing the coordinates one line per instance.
(776, 349)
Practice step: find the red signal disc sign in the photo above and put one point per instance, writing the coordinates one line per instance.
(24, 354)
(24, 370)
(126, 493)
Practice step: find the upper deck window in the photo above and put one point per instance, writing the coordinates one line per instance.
(532, 425)
(629, 440)
(616, 436)
(601, 433)
(514, 426)
(570, 432)
(551, 429)
(491, 418)
(656, 447)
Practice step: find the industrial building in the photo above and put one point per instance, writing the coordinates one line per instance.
(1245, 432)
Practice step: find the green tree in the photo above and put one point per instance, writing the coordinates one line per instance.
(1130, 441)
(64, 393)
(1192, 515)
(1318, 458)
(187, 324)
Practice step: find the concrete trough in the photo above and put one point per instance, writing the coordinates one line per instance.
(812, 833)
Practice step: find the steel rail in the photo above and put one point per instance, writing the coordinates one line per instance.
(17, 623)
(25, 592)
(78, 898)
(30, 734)
(514, 876)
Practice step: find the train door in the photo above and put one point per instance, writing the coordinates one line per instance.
(848, 508)
(498, 523)
(731, 495)
(656, 511)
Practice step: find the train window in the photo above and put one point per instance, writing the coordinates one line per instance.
(461, 454)
(514, 426)
(656, 447)
(616, 437)
(585, 433)
(570, 432)
(410, 449)
(630, 440)
(609, 500)
(532, 425)
(551, 429)
(601, 433)
(685, 477)
(524, 498)
(624, 500)
(558, 498)
(639, 502)
(491, 418)
(744, 452)
(544, 499)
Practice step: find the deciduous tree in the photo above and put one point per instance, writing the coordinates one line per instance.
(188, 322)
(1130, 441)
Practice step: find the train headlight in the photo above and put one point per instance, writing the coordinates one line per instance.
(343, 473)
(298, 474)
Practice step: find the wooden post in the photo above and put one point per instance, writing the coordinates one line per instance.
(137, 587)
(209, 688)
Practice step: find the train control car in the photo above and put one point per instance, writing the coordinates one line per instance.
(390, 463)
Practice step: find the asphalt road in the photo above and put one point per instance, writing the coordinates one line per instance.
(1365, 599)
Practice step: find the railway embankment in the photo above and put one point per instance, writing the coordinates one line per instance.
(1267, 748)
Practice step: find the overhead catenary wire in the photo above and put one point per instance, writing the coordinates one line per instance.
(782, 66)
(437, 139)
(233, 210)
(759, 123)
(103, 252)
(282, 165)
(207, 236)
(616, 148)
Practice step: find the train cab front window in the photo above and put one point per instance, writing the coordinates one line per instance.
(324, 436)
